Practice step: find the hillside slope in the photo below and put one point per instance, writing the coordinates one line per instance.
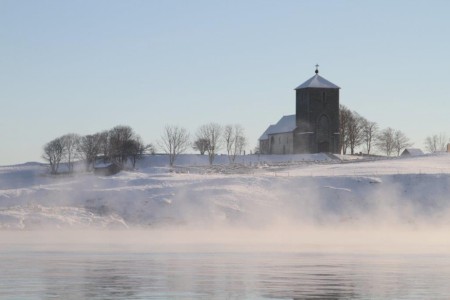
(317, 191)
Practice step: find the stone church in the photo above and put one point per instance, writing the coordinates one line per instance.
(315, 126)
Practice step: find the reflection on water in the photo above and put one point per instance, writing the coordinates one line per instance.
(119, 274)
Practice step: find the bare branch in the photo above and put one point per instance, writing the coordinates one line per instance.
(174, 141)
(53, 153)
(211, 132)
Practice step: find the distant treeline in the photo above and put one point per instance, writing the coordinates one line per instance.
(117, 145)
(356, 131)
(122, 147)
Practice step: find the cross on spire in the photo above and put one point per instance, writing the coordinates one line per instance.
(317, 69)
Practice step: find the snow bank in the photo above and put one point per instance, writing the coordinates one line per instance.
(317, 191)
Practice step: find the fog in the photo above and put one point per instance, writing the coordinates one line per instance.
(276, 239)
(260, 211)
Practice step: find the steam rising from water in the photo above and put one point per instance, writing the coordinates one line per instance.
(276, 239)
(262, 211)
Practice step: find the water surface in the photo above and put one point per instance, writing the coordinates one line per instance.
(112, 271)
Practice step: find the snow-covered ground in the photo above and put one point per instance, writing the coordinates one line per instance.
(257, 192)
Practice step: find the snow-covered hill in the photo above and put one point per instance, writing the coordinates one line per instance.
(258, 192)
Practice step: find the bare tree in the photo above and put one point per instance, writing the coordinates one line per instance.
(200, 145)
(174, 141)
(89, 148)
(136, 149)
(401, 141)
(369, 133)
(228, 137)
(211, 132)
(118, 145)
(436, 142)
(344, 116)
(241, 142)
(70, 143)
(53, 153)
(119, 139)
(385, 141)
(235, 140)
(354, 131)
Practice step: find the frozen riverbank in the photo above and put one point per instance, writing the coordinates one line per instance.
(411, 192)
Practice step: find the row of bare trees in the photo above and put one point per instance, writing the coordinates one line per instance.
(209, 139)
(436, 142)
(121, 145)
(118, 145)
(392, 141)
(357, 131)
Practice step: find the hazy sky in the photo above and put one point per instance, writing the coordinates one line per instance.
(86, 66)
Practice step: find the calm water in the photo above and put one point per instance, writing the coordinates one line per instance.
(33, 273)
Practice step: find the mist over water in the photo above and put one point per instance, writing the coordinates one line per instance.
(282, 209)
(244, 236)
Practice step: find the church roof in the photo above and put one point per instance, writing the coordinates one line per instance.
(285, 124)
(412, 152)
(317, 82)
(266, 133)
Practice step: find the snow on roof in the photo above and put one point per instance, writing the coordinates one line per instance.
(285, 124)
(412, 152)
(265, 135)
(317, 82)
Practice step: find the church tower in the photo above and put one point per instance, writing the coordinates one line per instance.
(317, 116)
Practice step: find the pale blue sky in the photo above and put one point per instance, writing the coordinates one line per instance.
(86, 66)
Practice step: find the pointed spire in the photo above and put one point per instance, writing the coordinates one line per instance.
(317, 81)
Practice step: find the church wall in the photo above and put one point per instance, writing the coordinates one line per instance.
(264, 146)
(281, 143)
(303, 142)
(302, 110)
(312, 104)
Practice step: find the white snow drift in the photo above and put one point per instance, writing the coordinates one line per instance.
(258, 192)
